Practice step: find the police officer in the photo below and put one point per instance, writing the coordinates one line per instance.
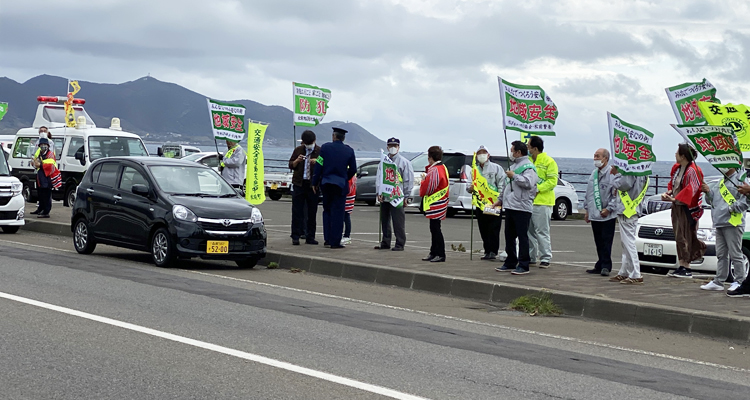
(336, 165)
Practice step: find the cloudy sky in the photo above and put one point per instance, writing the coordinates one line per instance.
(422, 70)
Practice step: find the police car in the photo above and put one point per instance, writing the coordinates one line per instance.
(75, 148)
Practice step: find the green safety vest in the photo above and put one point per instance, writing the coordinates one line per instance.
(736, 218)
(228, 155)
(630, 204)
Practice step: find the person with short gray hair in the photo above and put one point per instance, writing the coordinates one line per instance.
(600, 205)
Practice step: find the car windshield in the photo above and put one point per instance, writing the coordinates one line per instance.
(196, 181)
(193, 157)
(4, 170)
(114, 146)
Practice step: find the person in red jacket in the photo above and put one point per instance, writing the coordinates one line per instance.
(684, 190)
(348, 209)
(434, 193)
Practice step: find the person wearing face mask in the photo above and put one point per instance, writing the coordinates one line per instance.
(540, 242)
(45, 133)
(728, 214)
(517, 201)
(435, 190)
(600, 205)
(390, 213)
(631, 190)
(489, 225)
(233, 164)
(304, 199)
(47, 177)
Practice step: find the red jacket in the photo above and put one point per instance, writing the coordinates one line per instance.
(352, 195)
(435, 181)
(690, 188)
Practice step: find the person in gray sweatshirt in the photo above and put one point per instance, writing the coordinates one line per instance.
(630, 192)
(517, 200)
(600, 205)
(728, 214)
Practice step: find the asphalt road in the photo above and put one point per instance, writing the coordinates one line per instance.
(110, 325)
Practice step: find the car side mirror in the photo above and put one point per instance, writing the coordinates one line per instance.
(140, 190)
(364, 173)
(80, 156)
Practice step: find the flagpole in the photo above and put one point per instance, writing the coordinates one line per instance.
(471, 245)
(507, 152)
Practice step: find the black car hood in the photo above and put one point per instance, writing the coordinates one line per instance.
(216, 208)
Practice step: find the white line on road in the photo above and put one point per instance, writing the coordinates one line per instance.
(220, 349)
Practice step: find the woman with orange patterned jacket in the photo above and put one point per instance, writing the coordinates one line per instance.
(434, 192)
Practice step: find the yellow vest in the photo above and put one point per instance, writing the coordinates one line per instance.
(546, 169)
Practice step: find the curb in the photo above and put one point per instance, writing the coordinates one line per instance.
(598, 308)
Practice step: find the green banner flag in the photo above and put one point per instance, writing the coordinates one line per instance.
(527, 109)
(717, 143)
(631, 147)
(389, 181)
(255, 190)
(227, 120)
(3, 110)
(310, 104)
(684, 100)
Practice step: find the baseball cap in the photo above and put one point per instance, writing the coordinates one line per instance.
(393, 140)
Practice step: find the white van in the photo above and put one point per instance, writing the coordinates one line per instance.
(12, 205)
(75, 148)
(176, 150)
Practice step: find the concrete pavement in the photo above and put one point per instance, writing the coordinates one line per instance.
(662, 302)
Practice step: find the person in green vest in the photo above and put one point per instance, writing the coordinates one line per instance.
(728, 214)
(631, 190)
(540, 242)
(234, 164)
(600, 206)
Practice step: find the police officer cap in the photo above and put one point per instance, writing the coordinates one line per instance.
(42, 141)
(339, 130)
(395, 141)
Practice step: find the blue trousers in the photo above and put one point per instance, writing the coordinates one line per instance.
(334, 203)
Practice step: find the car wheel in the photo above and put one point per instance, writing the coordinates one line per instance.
(26, 193)
(746, 258)
(10, 229)
(248, 263)
(162, 249)
(561, 210)
(70, 196)
(82, 240)
(274, 194)
(370, 202)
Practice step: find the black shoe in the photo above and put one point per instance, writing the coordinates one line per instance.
(337, 246)
(381, 247)
(438, 259)
(520, 271)
(739, 292)
(429, 257)
(681, 272)
(544, 264)
(504, 268)
(35, 212)
(605, 272)
(489, 256)
(295, 242)
(302, 237)
(43, 216)
(593, 271)
(326, 245)
(311, 241)
(397, 249)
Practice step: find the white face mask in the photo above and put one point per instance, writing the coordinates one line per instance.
(724, 171)
(482, 158)
(598, 163)
(393, 151)
(512, 157)
(310, 146)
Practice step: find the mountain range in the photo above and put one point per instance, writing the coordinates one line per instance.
(162, 111)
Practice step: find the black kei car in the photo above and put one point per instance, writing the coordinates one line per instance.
(171, 208)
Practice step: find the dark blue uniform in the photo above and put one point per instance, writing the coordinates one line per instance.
(336, 165)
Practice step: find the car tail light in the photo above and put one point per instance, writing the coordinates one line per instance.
(464, 178)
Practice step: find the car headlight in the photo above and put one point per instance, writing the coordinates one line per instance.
(707, 235)
(183, 213)
(15, 188)
(257, 217)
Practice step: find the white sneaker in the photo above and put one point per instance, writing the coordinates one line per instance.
(346, 240)
(733, 286)
(712, 286)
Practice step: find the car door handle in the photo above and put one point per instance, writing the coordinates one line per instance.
(117, 197)
(90, 190)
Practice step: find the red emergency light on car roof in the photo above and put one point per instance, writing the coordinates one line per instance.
(56, 99)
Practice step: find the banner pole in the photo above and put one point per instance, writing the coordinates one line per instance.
(507, 152)
(294, 144)
(471, 246)
(380, 218)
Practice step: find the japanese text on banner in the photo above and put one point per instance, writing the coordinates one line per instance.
(227, 120)
(735, 116)
(527, 109)
(717, 143)
(310, 104)
(484, 194)
(389, 181)
(685, 98)
(631, 147)
(255, 189)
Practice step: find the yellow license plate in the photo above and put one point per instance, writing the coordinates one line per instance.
(274, 186)
(217, 247)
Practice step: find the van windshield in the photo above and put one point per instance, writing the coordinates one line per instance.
(113, 146)
(4, 170)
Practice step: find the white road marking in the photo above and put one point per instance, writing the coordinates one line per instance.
(219, 349)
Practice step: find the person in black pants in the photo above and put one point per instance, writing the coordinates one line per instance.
(43, 182)
(600, 205)
(304, 199)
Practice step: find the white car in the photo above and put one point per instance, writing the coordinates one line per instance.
(657, 249)
(12, 204)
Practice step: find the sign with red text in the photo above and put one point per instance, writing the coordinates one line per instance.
(631, 147)
(527, 109)
(310, 104)
(227, 120)
(389, 182)
(717, 143)
(684, 100)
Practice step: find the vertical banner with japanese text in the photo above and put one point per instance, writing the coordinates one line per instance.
(527, 109)
(3, 110)
(255, 189)
(685, 98)
(631, 147)
(717, 143)
(388, 182)
(227, 120)
(736, 116)
(310, 104)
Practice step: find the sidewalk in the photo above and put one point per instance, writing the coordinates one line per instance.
(662, 302)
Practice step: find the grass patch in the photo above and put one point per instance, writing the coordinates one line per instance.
(536, 304)
(460, 247)
(272, 265)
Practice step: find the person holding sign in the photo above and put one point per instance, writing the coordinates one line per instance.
(304, 199)
(600, 205)
(540, 242)
(728, 215)
(631, 190)
(395, 181)
(233, 165)
(487, 181)
(434, 192)
(684, 190)
(518, 198)
(335, 167)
